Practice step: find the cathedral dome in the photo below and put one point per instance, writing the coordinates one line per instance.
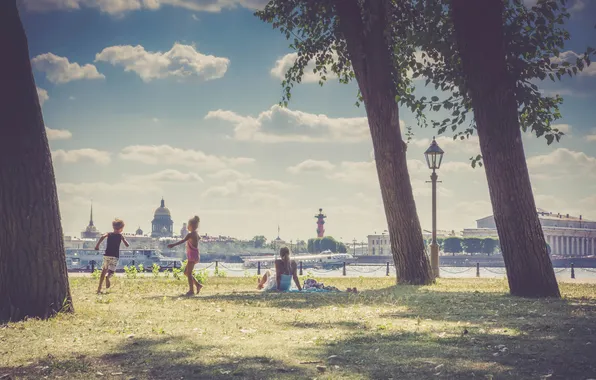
(162, 210)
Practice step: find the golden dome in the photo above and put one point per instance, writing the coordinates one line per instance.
(162, 210)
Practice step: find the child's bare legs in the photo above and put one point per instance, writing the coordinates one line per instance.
(104, 271)
(192, 281)
(263, 280)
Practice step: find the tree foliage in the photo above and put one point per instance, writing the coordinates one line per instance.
(452, 245)
(316, 245)
(535, 39)
(472, 245)
(423, 40)
(259, 241)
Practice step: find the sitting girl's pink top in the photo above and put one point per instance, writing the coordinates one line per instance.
(192, 253)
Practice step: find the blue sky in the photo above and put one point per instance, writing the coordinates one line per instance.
(152, 98)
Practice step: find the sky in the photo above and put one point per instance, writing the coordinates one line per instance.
(179, 98)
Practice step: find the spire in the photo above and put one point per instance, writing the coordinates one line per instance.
(278, 231)
(162, 202)
(91, 216)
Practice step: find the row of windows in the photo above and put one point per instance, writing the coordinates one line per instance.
(379, 242)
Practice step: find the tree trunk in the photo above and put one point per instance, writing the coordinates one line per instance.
(33, 277)
(365, 32)
(479, 34)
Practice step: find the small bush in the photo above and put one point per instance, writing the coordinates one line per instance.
(141, 268)
(220, 273)
(176, 272)
(166, 273)
(96, 273)
(131, 271)
(201, 276)
(155, 270)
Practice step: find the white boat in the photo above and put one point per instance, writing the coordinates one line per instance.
(86, 259)
(325, 259)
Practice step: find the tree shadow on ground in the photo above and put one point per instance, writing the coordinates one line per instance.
(155, 359)
(487, 333)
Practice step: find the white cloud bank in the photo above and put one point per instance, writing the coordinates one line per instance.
(311, 166)
(165, 154)
(76, 155)
(42, 95)
(285, 125)
(58, 134)
(59, 70)
(181, 61)
(118, 7)
(283, 64)
(571, 56)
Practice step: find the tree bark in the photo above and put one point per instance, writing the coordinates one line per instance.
(481, 43)
(33, 276)
(366, 33)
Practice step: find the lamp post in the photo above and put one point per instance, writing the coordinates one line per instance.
(434, 156)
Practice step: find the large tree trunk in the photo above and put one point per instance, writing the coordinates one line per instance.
(365, 31)
(479, 33)
(33, 277)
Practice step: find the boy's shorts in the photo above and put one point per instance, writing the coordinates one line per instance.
(110, 263)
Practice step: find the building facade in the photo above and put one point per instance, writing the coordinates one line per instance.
(380, 244)
(162, 224)
(567, 235)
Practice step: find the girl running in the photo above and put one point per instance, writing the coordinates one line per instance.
(192, 254)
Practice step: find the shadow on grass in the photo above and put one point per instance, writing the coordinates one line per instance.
(156, 359)
(413, 355)
(500, 335)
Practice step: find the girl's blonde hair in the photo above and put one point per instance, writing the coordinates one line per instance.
(284, 251)
(194, 221)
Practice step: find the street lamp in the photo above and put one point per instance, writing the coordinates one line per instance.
(434, 156)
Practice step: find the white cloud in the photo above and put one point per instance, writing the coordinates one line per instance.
(283, 64)
(592, 135)
(280, 124)
(228, 174)
(167, 175)
(59, 70)
(71, 98)
(58, 134)
(165, 154)
(118, 7)
(76, 155)
(89, 188)
(256, 191)
(562, 162)
(565, 128)
(365, 172)
(42, 95)
(155, 120)
(194, 17)
(571, 56)
(311, 166)
(459, 166)
(181, 61)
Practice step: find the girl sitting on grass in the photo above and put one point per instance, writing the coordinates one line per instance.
(192, 254)
(285, 271)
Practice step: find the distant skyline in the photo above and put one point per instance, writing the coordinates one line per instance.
(144, 99)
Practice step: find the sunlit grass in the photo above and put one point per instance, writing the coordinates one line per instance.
(459, 328)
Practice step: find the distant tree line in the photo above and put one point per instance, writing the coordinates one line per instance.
(316, 245)
(472, 245)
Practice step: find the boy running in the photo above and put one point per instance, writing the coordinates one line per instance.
(112, 254)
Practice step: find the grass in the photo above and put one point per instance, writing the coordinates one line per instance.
(456, 329)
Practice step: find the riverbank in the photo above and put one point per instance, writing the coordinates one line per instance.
(457, 329)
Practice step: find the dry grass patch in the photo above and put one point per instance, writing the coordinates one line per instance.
(457, 329)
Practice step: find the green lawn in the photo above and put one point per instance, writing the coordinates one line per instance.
(456, 329)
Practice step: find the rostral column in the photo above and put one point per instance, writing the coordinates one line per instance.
(320, 223)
